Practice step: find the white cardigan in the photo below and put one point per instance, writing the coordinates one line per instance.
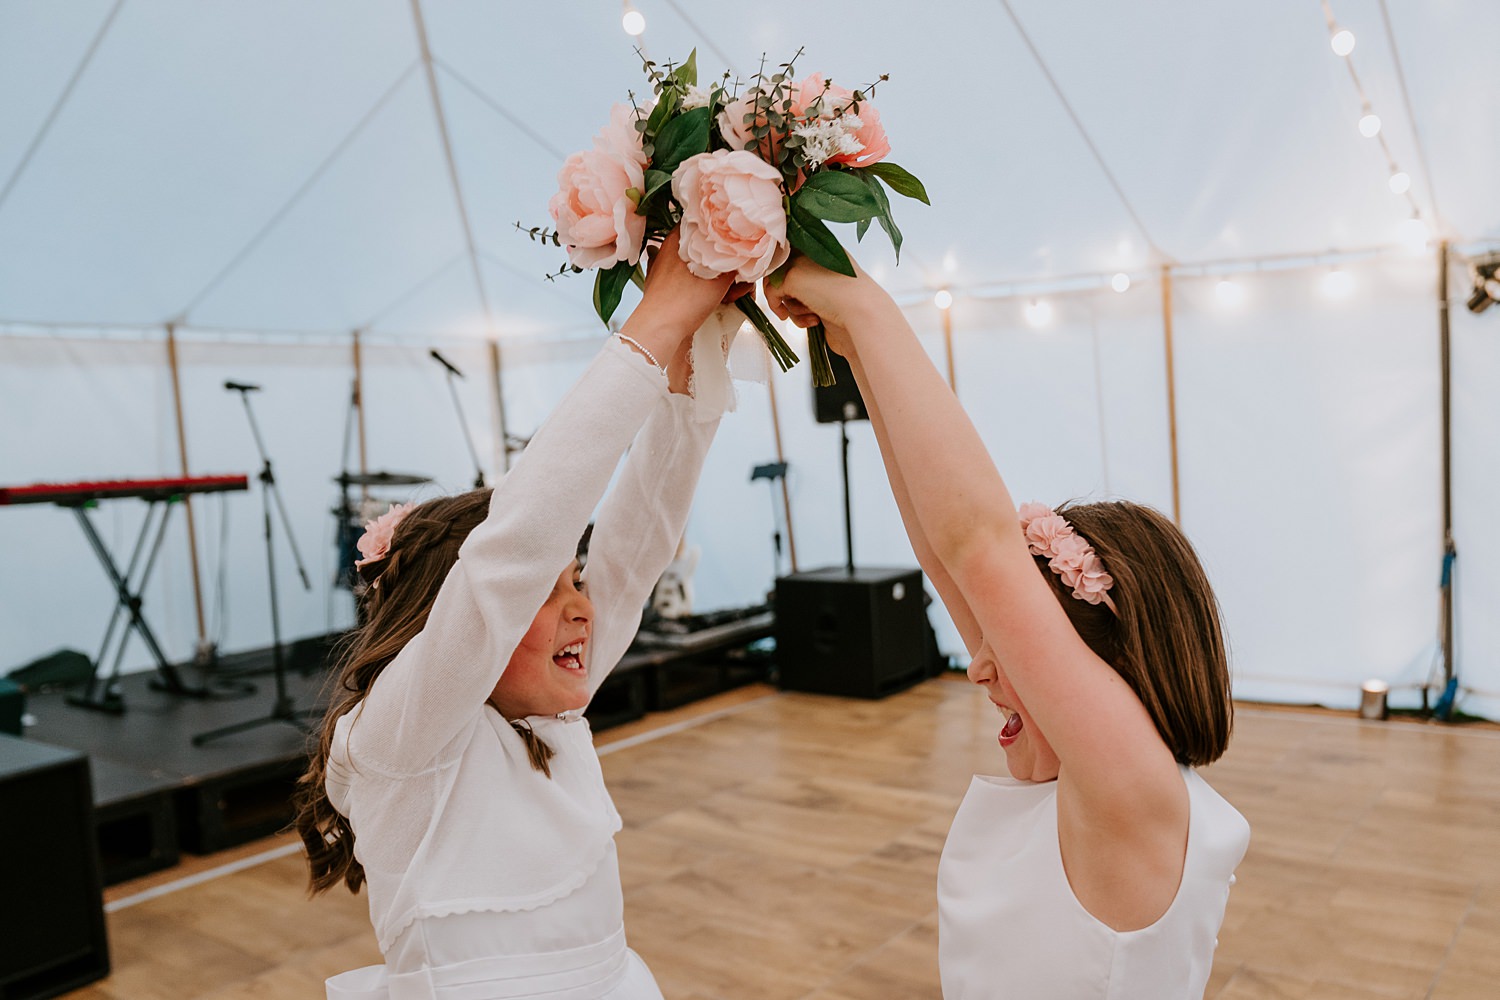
(449, 816)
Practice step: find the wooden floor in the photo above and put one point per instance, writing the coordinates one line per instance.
(787, 846)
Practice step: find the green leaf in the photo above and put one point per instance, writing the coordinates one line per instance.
(687, 73)
(807, 233)
(609, 285)
(861, 229)
(887, 221)
(655, 181)
(682, 137)
(900, 181)
(837, 196)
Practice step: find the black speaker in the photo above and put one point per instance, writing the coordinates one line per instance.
(860, 634)
(840, 401)
(51, 904)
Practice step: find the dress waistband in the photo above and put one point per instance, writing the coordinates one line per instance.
(585, 973)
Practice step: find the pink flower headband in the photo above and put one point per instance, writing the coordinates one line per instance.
(1049, 534)
(375, 543)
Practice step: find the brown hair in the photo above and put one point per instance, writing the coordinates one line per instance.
(395, 605)
(1166, 640)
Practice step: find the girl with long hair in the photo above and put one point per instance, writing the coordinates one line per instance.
(1100, 868)
(455, 778)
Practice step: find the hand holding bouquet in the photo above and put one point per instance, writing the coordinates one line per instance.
(748, 178)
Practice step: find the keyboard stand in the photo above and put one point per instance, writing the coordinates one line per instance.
(103, 693)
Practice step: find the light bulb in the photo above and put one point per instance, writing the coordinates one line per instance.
(1039, 312)
(1400, 182)
(1120, 282)
(633, 21)
(1343, 42)
(1338, 284)
(1230, 292)
(1369, 125)
(1413, 234)
(943, 299)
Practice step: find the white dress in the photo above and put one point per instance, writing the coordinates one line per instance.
(1010, 926)
(487, 879)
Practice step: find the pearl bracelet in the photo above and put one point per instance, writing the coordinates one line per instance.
(642, 348)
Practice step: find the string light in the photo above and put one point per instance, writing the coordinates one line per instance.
(632, 20)
(1414, 232)
(1039, 312)
(1120, 282)
(943, 299)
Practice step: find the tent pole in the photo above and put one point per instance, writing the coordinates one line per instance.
(458, 191)
(204, 652)
(1450, 550)
(502, 446)
(786, 497)
(1166, 321)
(948, 347)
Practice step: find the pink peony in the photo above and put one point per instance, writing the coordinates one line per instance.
(733, 220)
(732, 123)
(595, 219)
(619, 136)
(375, 543)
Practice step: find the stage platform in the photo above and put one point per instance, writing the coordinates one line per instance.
(156, 793)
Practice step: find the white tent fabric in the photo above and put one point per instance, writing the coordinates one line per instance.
(270, 177)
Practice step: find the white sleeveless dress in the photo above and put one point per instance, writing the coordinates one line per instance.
(1010, 926)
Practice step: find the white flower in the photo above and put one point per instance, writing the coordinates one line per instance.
(696, 97)
(824, 139)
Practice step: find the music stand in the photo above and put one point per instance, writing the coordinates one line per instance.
(771, 472)
(283, 710)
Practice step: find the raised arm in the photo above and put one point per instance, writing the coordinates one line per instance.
(509, 563)
(1105, 740)
(942, 580)
(643, 517)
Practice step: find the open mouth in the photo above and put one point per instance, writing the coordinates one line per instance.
(570, 657)
(1011, 731)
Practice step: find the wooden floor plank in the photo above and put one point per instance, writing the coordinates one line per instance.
(787, 847)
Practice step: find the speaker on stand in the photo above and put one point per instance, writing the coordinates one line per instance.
(860, 633)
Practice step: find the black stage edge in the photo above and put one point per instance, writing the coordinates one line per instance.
(155, 793)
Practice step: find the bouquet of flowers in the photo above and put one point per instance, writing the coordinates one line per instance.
(749, 178)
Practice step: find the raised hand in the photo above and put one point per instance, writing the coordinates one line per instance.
(808, 294)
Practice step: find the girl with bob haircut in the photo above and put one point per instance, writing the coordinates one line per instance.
(455, 775)
(1100, 869)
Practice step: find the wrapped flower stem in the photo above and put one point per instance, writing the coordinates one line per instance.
(775, 343)
(817, 356)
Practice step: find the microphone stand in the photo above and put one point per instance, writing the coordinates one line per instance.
(283, 710)
(463, 422)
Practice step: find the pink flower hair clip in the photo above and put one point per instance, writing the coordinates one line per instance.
(375, 543)
(1069, 555)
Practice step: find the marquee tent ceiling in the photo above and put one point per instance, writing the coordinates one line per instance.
(277, 165)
